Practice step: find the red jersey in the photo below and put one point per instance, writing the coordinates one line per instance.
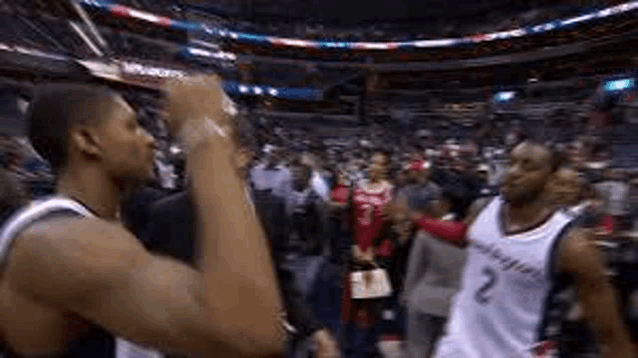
(368, 207)
(340, 194)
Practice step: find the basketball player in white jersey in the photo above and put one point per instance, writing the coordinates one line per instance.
(68, 263)
(523, 256)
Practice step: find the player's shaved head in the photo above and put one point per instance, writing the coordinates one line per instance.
(56, 108)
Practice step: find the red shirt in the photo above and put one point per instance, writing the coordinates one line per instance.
(340, 194)
(368, 210)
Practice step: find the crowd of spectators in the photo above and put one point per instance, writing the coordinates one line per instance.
(598, 29)
(302, 186)
(499, 19)
(453, 175)
(441, 27)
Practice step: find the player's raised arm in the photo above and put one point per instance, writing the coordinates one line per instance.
(579, 258)
(237, 267)
(99, 271)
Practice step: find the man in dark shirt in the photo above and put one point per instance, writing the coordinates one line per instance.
(171, 231)
(421, 192)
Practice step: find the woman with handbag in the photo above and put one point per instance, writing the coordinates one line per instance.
(366, 284)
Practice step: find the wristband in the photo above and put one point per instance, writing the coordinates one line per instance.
(193, 133)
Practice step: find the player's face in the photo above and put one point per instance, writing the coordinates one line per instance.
(528, 173)
(377, 166)
(128, 149)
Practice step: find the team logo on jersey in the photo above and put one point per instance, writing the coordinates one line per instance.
(507, 263)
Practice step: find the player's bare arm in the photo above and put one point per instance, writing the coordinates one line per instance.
(105, 276)
(237, 267)
(98, 270)
(580, 258)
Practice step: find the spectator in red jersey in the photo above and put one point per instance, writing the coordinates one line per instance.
(369, 202)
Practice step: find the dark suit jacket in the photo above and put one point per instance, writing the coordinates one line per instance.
(171, 232)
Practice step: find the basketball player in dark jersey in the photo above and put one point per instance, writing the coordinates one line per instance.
(524, 254)
(68, 264)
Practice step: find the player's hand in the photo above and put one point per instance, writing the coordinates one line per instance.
(194, 98)
(325, 346)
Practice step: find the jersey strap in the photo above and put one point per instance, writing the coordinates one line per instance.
(25, 217)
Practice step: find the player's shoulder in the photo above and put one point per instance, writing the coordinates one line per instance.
(64, 227)
(76, 255)
(478, 207)
(87, 235)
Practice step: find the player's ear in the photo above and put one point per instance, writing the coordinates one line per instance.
(86, 140)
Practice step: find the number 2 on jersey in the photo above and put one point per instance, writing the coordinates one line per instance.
(484, 294)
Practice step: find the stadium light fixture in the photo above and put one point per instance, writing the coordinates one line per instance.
(505, 96)
(619, 85)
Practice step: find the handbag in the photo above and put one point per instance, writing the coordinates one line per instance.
(369, 284)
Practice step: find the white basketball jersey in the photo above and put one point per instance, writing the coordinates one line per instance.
(30, 214)
(38, 210)
(511, 300)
